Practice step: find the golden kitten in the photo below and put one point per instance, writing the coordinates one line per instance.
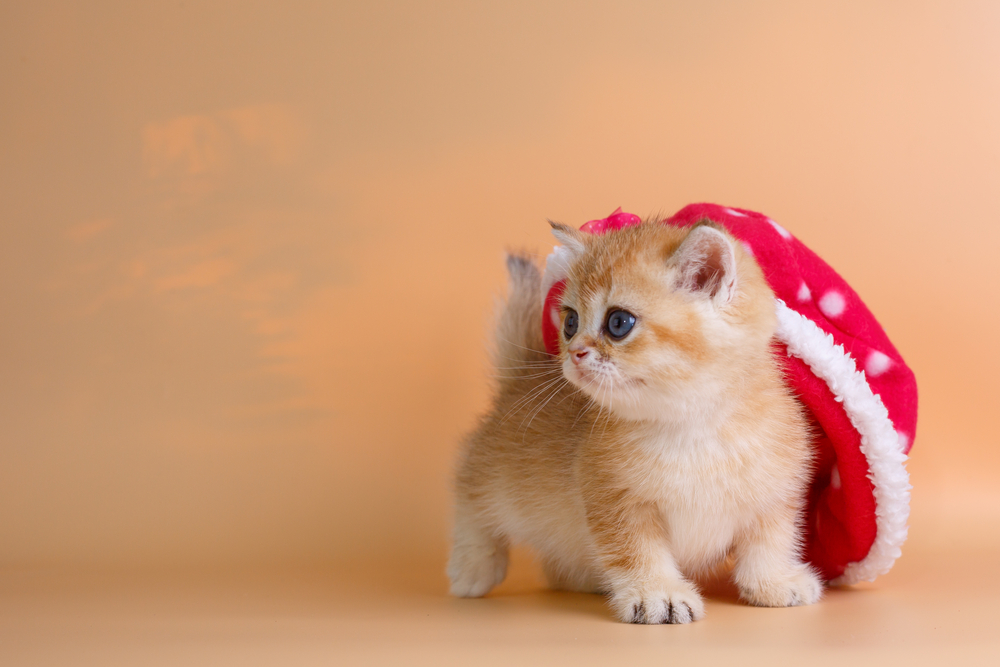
(660, 441)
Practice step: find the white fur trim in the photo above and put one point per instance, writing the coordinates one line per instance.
(879, 442)
(556, 268)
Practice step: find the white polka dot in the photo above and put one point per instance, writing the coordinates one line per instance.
(904, 441)
(832, 304)
(736, 213)
(785, 234)
(554, 314)
(748, 248)
(804, 293)
(877, 363)
(835, 477)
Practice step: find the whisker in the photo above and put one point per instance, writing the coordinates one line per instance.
(535, 391)
(530, 396)
(524, 377)
(585, 408)
(600, 407)
(573, 391)
(604, 431)
(527, 367)
(537, 410)
(529, 349)
(530, 362)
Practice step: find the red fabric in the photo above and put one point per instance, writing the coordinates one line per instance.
(840, 523)
(550, 317)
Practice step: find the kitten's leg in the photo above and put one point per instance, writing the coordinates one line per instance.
(646, 585)
(769, 570)
(478, 556)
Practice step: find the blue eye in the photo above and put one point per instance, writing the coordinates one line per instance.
(571, 324)
(620, 322)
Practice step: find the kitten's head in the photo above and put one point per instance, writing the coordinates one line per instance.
(655, 315)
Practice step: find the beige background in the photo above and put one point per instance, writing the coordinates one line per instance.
(248, 254)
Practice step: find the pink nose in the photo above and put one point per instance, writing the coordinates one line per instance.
(578, 355)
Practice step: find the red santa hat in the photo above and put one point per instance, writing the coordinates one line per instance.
(856, 387)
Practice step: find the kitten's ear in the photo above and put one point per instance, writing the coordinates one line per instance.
(706, 264)
(569, 237)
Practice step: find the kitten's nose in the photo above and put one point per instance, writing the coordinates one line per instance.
(578, 355)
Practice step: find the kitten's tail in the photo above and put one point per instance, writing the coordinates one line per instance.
(519, 344)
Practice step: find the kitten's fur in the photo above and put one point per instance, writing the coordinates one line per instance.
(664, 453)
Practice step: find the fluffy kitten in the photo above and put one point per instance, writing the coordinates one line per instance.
(661, 440)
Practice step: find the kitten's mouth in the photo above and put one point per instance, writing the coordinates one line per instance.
(585, 378)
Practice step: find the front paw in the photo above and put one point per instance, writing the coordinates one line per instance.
(800, 587)
(678, 603)
(475, 570)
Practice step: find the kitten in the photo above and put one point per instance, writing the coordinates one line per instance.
(662, 440)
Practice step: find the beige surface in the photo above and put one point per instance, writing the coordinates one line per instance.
(938, 606)
(248, 255)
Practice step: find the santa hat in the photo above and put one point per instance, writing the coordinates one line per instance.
(857, 389)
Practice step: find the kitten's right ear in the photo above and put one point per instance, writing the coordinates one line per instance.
(569, 237)
(706, 264)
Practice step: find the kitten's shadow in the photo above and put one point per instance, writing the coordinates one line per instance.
(719, 589)
(525, 585)
(577, 604)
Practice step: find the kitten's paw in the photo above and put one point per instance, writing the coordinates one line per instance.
(474, 571)
(680, 604)
(801, 587)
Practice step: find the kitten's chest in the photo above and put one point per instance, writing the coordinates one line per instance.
(707, 492)
(699, 468)
(701, 489)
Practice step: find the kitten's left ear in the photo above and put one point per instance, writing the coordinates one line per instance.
(569, 237)
(706, 264)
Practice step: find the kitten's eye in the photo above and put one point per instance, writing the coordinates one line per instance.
(620, 322)
(571, 324)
